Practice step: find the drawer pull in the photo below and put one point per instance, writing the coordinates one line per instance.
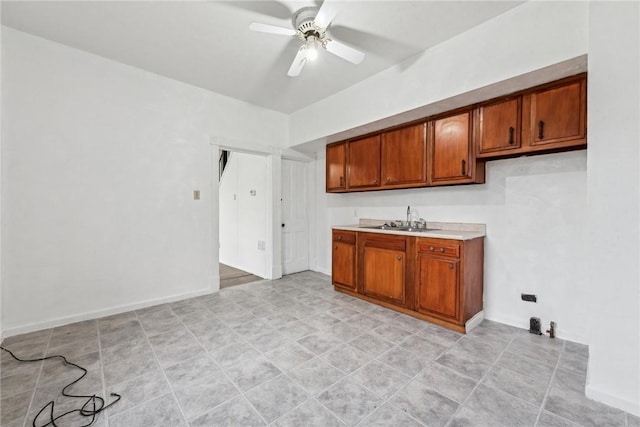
(441, 250)
(511, 141)
(339, 237)
(431, 248)
(335, 247)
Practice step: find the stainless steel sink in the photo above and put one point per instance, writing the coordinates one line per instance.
(397, 228)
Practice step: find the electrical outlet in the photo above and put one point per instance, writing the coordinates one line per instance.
(196, 194)
(529, 297)
(261, 245)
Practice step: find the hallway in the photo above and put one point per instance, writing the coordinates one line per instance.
(230, 276)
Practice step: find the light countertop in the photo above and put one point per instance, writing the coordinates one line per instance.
(439, 230)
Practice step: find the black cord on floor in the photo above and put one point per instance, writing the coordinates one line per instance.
(88, 409)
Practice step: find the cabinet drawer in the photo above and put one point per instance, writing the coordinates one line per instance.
(344, 236)
(438, 246)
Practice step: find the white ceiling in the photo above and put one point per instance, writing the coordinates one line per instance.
(208, 43)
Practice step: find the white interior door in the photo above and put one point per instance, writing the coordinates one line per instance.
(295, 228)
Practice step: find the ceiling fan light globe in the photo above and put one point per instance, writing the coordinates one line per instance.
(311, 52)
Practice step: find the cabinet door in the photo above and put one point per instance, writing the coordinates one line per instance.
(343, 267)
(384, 272)
(364, 163)
(558, 115)
(451, 156)
(404, 157)
(336, 164)
(499, 127)
(438, 286)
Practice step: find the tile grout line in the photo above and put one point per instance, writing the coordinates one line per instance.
(553, 375)
(155, 355)
(480, 383)
(304, 297)
(35, 387)
(104, 382)
(241, 394)
(388, 400)
(316, 356)
(262, 354)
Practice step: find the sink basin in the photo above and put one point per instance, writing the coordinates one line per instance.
(401, 228)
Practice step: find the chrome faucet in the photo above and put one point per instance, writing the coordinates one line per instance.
(409, 216)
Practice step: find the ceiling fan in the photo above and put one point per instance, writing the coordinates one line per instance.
(310, 25)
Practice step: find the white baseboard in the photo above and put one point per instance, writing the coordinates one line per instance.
(214, 283)
(60, 321)
(623, 403)
(276, 272)
(322, 270)
(474, 321)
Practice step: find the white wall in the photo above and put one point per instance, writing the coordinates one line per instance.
(534, 211)
(613, 239)
(1, 205)
(586, 206)
(527, 204)
(243, 217)
(526, 38)
(99, 165)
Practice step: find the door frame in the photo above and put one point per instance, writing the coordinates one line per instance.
(274, 156)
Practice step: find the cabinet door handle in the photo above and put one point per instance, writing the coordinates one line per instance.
(335, 247)
(399, 258)
(441, 249)
(450, 266)
(388, 179)
(540, 129)
(341, 181)
(375, 181)
(463, 167)
(511, 141)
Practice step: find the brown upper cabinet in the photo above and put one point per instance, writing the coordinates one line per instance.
(556, 116)
(364, 163)
(336, 167)
(451, 153)
(498, 127)
(452, 148)
(548, 118)
(404, 157)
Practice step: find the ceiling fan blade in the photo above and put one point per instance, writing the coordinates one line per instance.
(271, 29)
(345, 52)
(327, 12)
(298, 63)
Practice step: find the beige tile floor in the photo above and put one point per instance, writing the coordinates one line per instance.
(230, 276)
(293, 352)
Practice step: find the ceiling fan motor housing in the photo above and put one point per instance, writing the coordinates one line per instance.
(303, 22)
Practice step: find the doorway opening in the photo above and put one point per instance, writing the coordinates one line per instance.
(243, 219)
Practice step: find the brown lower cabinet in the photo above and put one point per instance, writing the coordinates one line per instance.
(343, 266)
(384, 267)
(439, 280)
